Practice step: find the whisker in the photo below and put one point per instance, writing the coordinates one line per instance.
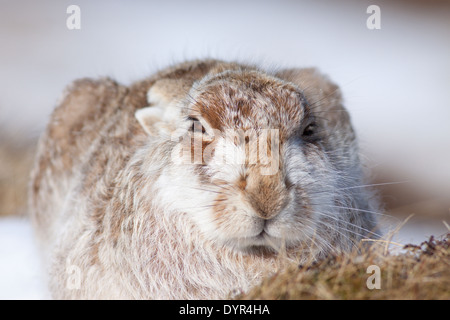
(326, 243)
(374, 185)
(360, 210)
(340, 233)
(350, 224)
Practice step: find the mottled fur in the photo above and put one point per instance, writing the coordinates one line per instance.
(117, 217)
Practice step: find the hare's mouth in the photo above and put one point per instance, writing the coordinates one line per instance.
(264, 236)
(262, 240)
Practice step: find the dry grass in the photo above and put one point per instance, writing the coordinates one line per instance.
(417, 273)
(16, 157)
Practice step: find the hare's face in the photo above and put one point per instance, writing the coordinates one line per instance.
(248, 165)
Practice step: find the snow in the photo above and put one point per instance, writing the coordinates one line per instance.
(21, 274)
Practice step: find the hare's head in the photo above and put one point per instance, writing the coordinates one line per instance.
(255, 160)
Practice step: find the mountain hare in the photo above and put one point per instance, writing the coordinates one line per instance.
(196, 182)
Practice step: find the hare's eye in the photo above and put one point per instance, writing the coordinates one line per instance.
(309, 131)
(196, 125)
(311, 134)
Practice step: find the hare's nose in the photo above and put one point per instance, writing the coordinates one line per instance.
(268, 201)
(265, 211)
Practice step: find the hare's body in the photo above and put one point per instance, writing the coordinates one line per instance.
(117, 218)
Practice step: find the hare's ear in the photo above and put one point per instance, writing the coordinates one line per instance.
(320, 93)
(148, 118)
(313, 84)
(161, 117)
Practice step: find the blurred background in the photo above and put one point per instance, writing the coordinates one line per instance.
(395, 81)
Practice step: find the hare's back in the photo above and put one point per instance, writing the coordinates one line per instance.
(83, 126)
